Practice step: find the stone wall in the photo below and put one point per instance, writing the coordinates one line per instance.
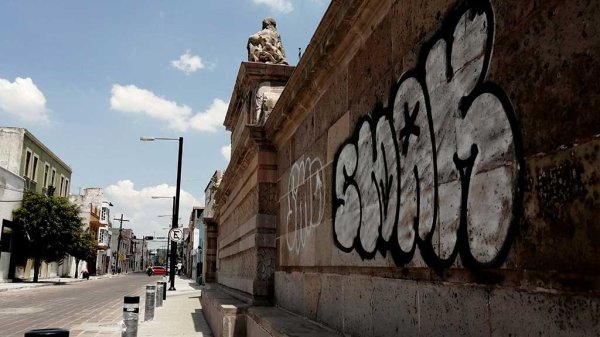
(438, 170)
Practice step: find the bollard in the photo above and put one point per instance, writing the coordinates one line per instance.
(54, 332)
(159, 295)
(150, 296)
(164, 290)
(131, 312)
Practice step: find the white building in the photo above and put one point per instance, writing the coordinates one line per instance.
(11, 194)
(95, 215)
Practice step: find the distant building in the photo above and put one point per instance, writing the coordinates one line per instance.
(121, 251)
(95, 215)
(24, 155)
(192, 247)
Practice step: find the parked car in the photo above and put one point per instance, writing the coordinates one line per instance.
(158, 270)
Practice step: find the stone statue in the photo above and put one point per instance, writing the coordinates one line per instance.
(265, 46)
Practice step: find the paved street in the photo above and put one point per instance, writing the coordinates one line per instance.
(89, 308)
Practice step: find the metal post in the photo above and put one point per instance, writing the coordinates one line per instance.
(150, 296)
(54, 332)
(176, 216)
(164, 289)
(159, 291)
(131, 313)
(143, 244)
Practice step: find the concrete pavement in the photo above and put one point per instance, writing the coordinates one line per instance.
(180, 315)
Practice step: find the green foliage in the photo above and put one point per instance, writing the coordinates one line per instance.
(46, 227)
(84, 247)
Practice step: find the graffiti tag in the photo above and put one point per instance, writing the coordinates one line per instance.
(306, 201)
(440, 168)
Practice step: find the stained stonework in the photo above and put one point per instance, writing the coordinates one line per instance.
(436, 168)
(247, 195)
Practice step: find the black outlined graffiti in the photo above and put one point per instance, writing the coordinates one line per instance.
(441, 167)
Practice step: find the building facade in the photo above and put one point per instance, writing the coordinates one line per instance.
(430, 169)
(23, 155)
(11, 194)
(95, 216)
(194, 243)
(121, 250)
(211, 228)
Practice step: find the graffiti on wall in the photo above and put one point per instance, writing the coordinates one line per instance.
(305, 200)
(439, 168)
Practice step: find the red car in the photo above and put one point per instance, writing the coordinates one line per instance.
(158, 270)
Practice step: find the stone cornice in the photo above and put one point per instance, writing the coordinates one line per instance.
(342, 31)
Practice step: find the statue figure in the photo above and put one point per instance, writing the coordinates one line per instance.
(265, 46)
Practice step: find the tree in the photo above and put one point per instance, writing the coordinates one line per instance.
(46, 228)
(84, 248)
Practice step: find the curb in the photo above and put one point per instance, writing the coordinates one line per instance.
(30, 285)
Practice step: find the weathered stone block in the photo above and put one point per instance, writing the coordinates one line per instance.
(539, 63)
(518, 313)
(333, 104)
(453, 310)
(358, 305)
(395, 307)
(331, 301)
(562, 208)
(370, 79)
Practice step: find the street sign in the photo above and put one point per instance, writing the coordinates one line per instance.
(176, 234)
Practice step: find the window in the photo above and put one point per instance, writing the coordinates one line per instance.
(103, 236)
(104, 214)
(46, 171)
(53, 178)
(36, 159)
(62, 185)
(66, 187)
(27, 163)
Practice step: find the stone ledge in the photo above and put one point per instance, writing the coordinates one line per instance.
(276, 322)
(224, 313)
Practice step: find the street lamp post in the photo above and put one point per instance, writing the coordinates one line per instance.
(175, 207)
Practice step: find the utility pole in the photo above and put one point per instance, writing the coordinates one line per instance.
(121, 220)
(143, 244)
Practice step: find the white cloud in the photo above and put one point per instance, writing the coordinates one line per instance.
(24, 100)
(129, 98)
(210, 119)
(226, 151)
(142, 211)
(188, 63)
(283, 6)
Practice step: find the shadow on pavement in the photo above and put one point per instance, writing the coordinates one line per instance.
(200, 324)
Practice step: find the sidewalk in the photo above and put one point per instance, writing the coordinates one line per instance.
(180, 315)
(10, 286)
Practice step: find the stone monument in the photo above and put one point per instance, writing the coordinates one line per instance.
(265, 46)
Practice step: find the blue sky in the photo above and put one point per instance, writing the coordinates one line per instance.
(88, 78)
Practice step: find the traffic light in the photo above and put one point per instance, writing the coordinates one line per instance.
(148, 238)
